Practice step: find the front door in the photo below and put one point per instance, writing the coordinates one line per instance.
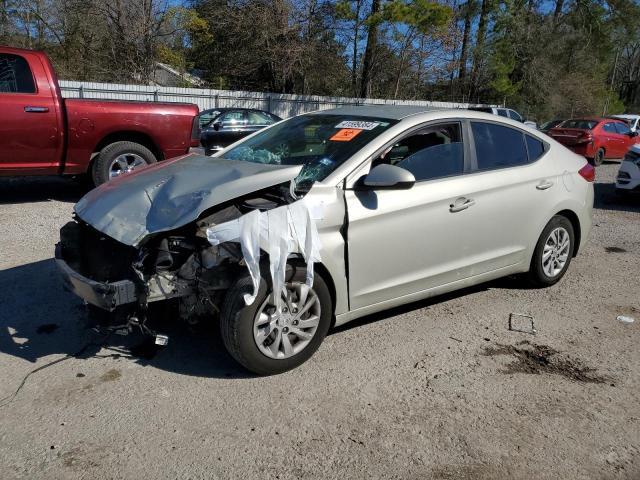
(30, 140)
(405, 241)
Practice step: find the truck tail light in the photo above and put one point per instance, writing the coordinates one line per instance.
(195, 132)
(588, 173)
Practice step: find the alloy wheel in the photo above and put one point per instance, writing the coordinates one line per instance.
(556, 252)
(125, 163)
(284, 334)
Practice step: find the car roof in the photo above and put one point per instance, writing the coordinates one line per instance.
(627, 116)
(391, 112)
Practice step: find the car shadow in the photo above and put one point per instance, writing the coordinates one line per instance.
(41, 189)
(606, 198)
(38, 318)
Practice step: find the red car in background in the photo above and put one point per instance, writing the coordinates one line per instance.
(595, 138)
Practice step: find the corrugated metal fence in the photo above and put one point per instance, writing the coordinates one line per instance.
(283, 105)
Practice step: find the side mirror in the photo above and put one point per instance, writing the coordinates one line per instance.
(217, 125)
(387, 177)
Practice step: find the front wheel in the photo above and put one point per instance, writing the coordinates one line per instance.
(553, 252)
(268, 342)
(119, 158)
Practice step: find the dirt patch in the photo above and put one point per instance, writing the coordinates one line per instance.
(539, 359)
(111, 375)
(47, 328)
(614, 250)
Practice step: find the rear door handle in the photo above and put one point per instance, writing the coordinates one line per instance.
(461, 204)
(32, 109)
(543, 185)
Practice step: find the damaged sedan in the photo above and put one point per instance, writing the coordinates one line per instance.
(324, 218)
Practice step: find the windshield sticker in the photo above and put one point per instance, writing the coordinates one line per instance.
(358, 125)
(345, 135)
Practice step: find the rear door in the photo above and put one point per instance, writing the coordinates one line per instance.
(615, 143)
(232, 127)
(512, 191)
(257, 120)
(30, 120)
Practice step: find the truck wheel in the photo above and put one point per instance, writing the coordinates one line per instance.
(118, 158)
(266, 343)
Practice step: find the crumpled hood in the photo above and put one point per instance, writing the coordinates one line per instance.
(173, 193)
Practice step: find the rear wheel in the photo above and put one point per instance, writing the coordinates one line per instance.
(598, 158)
(553, 252)
(267, 342)
(119, 158)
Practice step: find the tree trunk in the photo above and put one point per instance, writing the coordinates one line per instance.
(479, 49)
(464, 52)
(369, 52)
(558, 10)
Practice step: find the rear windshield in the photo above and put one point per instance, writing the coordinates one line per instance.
(482, 109)
(579, 123)
(320, 143)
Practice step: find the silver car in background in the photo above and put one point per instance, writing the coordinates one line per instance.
(389, 205)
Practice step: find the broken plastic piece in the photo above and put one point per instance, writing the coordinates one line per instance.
(162, 340)
(281, 232)
(626, 319)
(520, 322)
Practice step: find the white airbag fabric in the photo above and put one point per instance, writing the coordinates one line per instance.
(282, 231)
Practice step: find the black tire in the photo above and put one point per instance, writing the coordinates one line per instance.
(237, 320)
(537, 275)
(598, 158)
(102, 164)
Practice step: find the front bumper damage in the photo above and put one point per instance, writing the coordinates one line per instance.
(105, 295)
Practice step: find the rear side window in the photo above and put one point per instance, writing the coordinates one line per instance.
(233, 118)
(502, 112)
(515, 116)
(15, 75)
(535, 148)
(610, 127)
(498, 146)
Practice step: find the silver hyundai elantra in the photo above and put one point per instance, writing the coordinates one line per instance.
(323, 218)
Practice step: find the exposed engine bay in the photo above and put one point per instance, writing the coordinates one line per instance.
(183, 265)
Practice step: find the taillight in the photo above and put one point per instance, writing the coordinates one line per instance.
(585, 137)
(588, 173)
(195, 132)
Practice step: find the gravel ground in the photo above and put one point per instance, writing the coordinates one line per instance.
(436, 389)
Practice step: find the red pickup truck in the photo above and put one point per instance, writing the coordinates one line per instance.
(43, 134)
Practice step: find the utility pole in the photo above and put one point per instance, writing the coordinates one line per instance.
(613, 77)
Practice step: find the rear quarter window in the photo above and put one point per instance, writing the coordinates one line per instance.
(535, 148)
(498, 146)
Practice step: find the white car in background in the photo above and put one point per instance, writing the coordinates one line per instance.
(632, 120)
(505, 112)
(628, 178)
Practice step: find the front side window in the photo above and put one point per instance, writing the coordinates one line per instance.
(234, 118)
(15, 75)
(318, 142)
(622, 128)
(206, 117)
(498, 146)
(432, 152)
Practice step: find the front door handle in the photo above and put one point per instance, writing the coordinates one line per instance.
(461, 204)
(32, 109)
(544, 185)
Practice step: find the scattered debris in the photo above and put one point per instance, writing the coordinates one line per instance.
(47, 328)
(111, 375)
(625, 319)
(538, 359)
(614, 250)
(456, 339)
(80, 375)
(520, 322)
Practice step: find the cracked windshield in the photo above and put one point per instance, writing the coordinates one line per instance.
(320, 143)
